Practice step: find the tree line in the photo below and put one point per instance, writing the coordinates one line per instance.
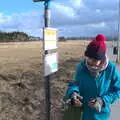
(62, 38)
(23, 37)
(13, 37)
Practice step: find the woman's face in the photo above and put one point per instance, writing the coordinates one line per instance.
(95, 66)
(94, 62)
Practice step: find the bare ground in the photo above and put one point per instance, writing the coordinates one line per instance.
(22, 82)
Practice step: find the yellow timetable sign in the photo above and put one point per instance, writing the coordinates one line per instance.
(50, 38)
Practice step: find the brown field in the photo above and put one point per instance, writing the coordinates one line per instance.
(22, 82)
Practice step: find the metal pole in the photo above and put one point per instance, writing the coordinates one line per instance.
(47, 97)
(118, 53)
(47, 78)
(47, 13)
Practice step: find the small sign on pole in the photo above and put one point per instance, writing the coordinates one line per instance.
(50, 63)
(50, 38)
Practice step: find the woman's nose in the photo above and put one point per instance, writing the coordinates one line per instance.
(97, 63)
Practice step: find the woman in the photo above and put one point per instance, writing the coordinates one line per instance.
(96, 83)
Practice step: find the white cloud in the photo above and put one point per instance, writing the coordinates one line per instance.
(64, 10)
(29, 22)
(77, 3)
(89, 30)
(90, 14)
(71, 17)
(102, 4)
(80, 16)
(4, 18)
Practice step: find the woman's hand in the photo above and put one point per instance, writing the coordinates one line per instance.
(96, 103)
(76, 100)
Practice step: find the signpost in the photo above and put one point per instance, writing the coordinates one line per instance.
(50, 57)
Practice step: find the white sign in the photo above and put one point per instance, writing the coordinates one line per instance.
(50, 38)
(50, 63)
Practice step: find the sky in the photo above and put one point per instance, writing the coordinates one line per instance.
(72, 18)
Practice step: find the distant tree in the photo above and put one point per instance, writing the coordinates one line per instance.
(13, 36)
(62, 38)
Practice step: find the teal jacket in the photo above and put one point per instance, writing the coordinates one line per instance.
(106, 86)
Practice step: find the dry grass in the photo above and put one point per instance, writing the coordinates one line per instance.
(21, 78)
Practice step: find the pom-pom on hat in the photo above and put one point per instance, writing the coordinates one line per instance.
(96, 49)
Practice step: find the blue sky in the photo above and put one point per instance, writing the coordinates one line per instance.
(18, 6)
(70, 17)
